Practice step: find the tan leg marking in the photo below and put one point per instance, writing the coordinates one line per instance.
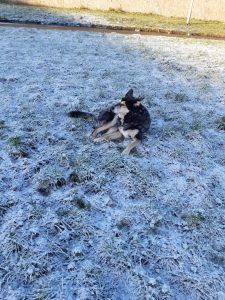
(131, 146)
(111, 130)
(104, 127)
(109, 137)
(114, 136)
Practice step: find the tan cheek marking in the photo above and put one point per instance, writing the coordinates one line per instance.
(137, 103)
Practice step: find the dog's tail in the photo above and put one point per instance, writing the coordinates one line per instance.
(80, 114)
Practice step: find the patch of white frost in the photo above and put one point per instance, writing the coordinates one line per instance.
(82, 221)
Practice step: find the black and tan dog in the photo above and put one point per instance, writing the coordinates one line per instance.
(128, 119)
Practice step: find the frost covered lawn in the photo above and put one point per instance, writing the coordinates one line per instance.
(82, 221)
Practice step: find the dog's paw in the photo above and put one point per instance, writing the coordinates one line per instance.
(126, 152)
(94, 134)
(98, 140)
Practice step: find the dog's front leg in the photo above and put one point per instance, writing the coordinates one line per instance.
(114, 136)
(104, 127)
(106, 135)
(131, 146)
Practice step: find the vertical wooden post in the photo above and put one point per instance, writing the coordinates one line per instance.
(189, 12)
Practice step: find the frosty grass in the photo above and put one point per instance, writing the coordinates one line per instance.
(82, 221)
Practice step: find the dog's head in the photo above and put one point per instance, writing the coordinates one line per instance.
(127, 103)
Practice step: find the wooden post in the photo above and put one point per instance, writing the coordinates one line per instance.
(189, 12)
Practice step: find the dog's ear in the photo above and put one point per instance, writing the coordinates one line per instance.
(129, 94)
(140, 98)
